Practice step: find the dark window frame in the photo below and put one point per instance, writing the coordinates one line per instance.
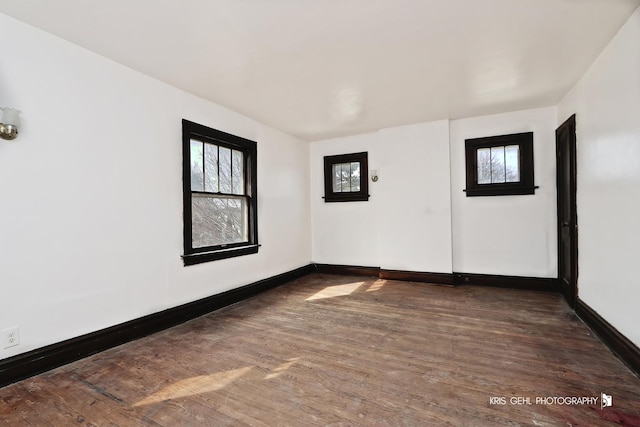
(524, 186)
(191, 130)
(351, 196)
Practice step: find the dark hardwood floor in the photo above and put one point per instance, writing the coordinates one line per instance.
(336, 350)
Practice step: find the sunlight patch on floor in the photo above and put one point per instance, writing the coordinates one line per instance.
(279, 370)
(377, 285)
(336, 291)
(195, 385)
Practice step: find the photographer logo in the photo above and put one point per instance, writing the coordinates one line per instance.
(605, 400)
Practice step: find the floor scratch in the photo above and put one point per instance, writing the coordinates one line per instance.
(102, 391)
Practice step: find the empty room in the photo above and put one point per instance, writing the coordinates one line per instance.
(320, 212)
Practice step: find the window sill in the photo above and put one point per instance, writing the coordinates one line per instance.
(200, 257)
(346, 197)
(493, 191)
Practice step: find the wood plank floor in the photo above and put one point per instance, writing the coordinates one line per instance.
(335, 350)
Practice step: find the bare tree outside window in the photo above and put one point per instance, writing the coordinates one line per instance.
(218, 221)
(498, 164)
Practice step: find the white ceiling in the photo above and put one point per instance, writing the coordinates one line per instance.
(327, 68)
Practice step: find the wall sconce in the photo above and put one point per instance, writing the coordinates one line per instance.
(9, 123)
(374, 175)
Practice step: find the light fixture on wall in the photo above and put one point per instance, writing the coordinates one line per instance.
(374, 175)
(9, 123)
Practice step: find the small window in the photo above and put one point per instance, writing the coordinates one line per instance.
(345, 178)
(500, 165)
(219, 180)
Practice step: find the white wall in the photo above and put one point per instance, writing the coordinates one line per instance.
(91, 194)
(414, 211)
(506, 235)
(406, 223)
(344, 232)
(606, 102)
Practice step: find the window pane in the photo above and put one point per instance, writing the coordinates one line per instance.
(337, 182)
(512, 161)
(484, 166)
(225, 169)
(211, 168)
(237, 174)
(355, 176)
(197, 176)
(497, 164)
(218, 220)
(345, 177)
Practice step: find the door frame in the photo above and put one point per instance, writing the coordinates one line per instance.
(570, 291)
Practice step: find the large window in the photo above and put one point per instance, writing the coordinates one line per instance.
(345, 178)
(219, 181)
(500, 165)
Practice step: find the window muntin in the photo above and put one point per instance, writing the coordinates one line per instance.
(219, 194)
(345, 178)
(500, 165)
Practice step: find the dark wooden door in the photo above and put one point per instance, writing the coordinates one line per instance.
(567, 214)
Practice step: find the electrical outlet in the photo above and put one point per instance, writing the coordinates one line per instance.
(11, 337)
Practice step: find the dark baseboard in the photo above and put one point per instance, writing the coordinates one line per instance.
(514, 282)
(408, 276)
(621, 346)
(418, 276)
(347, 270)
(46, 358)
